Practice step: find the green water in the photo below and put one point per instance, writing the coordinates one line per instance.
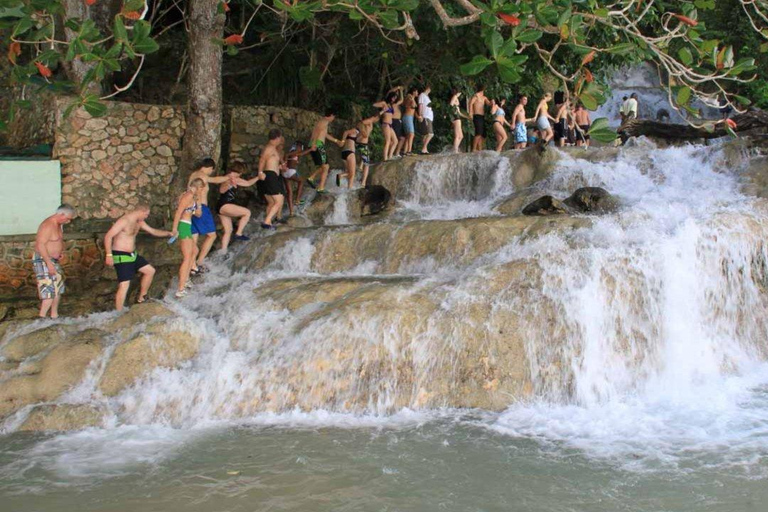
(453, 464)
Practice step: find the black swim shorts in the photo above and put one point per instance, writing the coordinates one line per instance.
(479, 122)
(127, 264)
(273, 185)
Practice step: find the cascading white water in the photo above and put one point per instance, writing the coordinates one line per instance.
(461, 187)
(644, 330)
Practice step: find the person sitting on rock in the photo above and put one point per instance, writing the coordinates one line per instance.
(49, 247)
(228, 210)
(120, 248)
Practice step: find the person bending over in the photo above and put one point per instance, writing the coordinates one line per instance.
(228, 210)
(120, 246)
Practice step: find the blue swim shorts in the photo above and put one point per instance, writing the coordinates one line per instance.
(204, 224)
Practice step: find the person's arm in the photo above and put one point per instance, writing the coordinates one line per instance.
(420, 110)
(217, 179)
(152, 231)
(262, 165)
(381, 104)
(370, 120)
(331, 137)
(112, 233)
(198, 207)
(246, 183)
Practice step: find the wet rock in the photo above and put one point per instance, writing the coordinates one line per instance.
(298, 221)
(319, 208)
(374, 199)
(33, 343)
(545, 205)
(63, 417)
(592, 200)
(62, 368)
(139, 314)
(156, 346)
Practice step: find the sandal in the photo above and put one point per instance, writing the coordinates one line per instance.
(182, 293)
(142, 299)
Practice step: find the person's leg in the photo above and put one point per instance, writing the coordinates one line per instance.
(147, 275)
(366, 168)
(279, 202)
(289, 195)
(122, 292)
(456, 135)
(427, 138)
(351, 168)
(226, 225)
(275, 202)
(210, 238)
(188, 257)
(45, 306)
(229, 212)
(299, 187)
(323, 177)
(55, 306)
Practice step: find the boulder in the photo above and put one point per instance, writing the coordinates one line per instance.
(156, 346)
(139, 314)
(61, 369)
(319, 208)
(33, 343)
(545, 205)
(62, 417)
(592, 200)
(374, 199)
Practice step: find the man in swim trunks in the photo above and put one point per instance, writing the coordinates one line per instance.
(519, 120)
(317, 146)
(49, 246)
(426, 117)
(477, 110)
(205, 224)
(120, 246)
(581, 116)
(269, 165)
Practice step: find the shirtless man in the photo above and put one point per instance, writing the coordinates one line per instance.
(317, 146)
(49, 246)
(204, 225)
(366, 127)
(120, 246)
(583, 124)
(519, 120)
(269, 166)
(477, 111)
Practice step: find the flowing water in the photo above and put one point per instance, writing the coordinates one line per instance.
(624, 357)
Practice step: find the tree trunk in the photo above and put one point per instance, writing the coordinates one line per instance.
(754, 120)
(202, 137)
(77, 69)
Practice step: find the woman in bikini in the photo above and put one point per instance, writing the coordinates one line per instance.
(347, 144)
(455, 115)
(388, 111)
(365, 127)
(542, 119)
(228, 210)
(499, 120)
(189, 205)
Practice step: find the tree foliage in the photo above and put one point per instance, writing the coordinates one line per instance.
(566, 44)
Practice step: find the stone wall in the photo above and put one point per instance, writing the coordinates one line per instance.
(112, 163)
(249, 127)
(82, 262)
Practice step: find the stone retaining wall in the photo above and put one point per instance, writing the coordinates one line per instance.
(82, 261)
(112, 163)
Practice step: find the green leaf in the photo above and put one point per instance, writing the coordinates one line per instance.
(621, 48)
(309, 77)
(22, 26)
(93, 106)
(488, 19)
(529, 36)
(686, 57)
(494, 42)
(508, 48)
(601, 123)
(133, 5)
(508, 71)
(404, 5)
(389, 19)
(730, 132)
(605, 136)
(475, 66)
(588, 100)
(744, 101)
(683, 95)
(121, 34)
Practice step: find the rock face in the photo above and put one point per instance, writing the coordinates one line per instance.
(374, 199)
(592, 199)
(545, 205)
(63, 417)
(155, 347)
(45, 364)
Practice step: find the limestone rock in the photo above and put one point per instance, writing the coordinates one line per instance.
(592, 199)
(320, 207)
(138, 314)
(33, 343)
(63, 417)
(61, 369)
(154, 347)
(374, 199)
(545, 205)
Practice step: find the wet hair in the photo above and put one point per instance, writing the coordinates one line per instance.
(238, 167)
(329, 112)
(520, 98)
(413, 90)
(205, 162)
(454, 92)
(275, 133)
(66, 209)
(547, 94)
(144, 207)
(197, 183)
(480, 88)
(625, 98)
(633, 95)
(392, 97)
